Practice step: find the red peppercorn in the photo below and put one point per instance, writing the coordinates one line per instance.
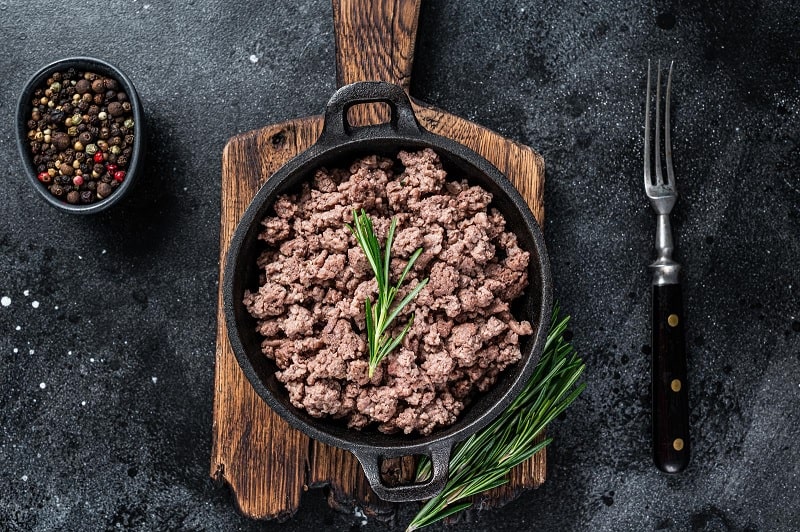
(111, 168)
(77, 180)
(44, 177)
(98, 157)
(119, 176)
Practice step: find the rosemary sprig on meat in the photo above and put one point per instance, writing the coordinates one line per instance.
(483, 461)
(380, 315)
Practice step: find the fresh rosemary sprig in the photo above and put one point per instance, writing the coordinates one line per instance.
(380, 315)
(483, 461)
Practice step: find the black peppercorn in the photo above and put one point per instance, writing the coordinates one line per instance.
(31, 124)
(110, 95)
(104, 133)
(122, 161)
(115, 141)
(60, 140)
(98, 99)
(85, 138)
(93, 110)
(83, 86)
(127, 152)
(83, 106)
(126, 107)
(115, 109)
(82, 127)
(56, 76)
(56, 117)
(110, 84)
(87, 196)
(41, 168)
(122, 97)
(97, 86)
(74, 197)
(56, 190)
(91, 185)
(104, 190)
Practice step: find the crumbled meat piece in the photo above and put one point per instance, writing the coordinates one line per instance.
(314, 279)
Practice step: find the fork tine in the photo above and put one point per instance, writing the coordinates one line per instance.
(647, 178)
(667, 142)
(657, 148)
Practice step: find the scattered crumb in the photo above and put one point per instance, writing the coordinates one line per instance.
(31, 352)
(103, 252)
(18, 328)
(24, 478)
(5, 301)
(35, 304)
(69, 352)
(254, 59)
(80, 257)
(91, 360)
(154, 379)
(42, 385)
(26, 293)
(359, 513)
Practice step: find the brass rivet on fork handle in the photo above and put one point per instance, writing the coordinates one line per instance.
(669, 389)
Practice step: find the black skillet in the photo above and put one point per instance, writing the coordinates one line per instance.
(339, 144)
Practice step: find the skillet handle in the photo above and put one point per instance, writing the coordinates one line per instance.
(440, 463)
(338, 129)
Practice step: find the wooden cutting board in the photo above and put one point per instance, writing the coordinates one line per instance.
(268, 464)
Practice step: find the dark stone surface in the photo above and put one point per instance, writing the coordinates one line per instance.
(118, 434)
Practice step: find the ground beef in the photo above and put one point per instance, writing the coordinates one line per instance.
(315, 278)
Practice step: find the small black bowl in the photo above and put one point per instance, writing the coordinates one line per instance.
(24, 108)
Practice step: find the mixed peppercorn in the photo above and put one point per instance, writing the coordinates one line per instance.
(81, 135)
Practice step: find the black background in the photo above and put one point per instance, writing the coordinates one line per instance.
(123, 338)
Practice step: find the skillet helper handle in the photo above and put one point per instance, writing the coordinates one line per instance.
(375, 40)
(440, 462)
(337, 127)
(671, 445)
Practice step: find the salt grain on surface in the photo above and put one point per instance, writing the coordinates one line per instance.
(26, 293)
(42, 385)
(35, 304)
(254, 59)
(5, 301)
(18, 328)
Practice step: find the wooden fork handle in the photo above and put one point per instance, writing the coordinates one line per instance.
(671, 445)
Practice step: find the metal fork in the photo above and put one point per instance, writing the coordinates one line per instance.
(670, 390)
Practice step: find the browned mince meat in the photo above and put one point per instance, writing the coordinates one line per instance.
(315, 278)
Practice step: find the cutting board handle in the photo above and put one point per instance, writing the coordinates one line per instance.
(375, 40)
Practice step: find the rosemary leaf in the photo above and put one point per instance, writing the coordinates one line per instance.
(380, 314)
(484, 460)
